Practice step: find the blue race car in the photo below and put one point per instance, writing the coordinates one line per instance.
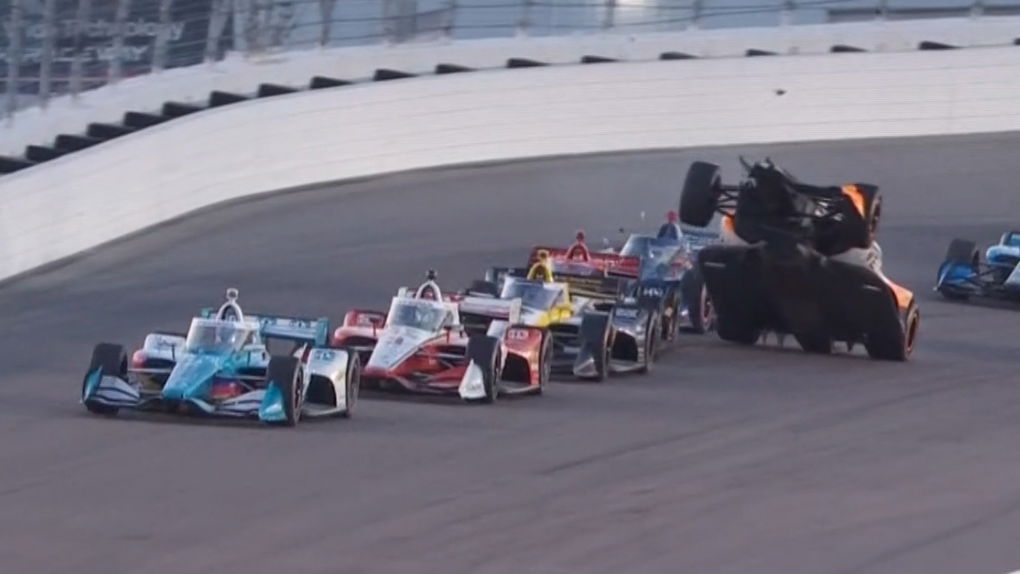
(668, 271)
(963, 274)
(223, 367)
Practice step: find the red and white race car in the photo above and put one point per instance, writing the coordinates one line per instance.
(422, 345)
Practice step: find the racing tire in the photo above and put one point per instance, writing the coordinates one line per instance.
(484, 352)
(112, 359)
(595, 332)
(652, 346)
(960, 252)
(285, 372)
(700, 195)
(352, 383)
(963, 252)
(545, 362)
(896, 346)
(699, 303)
(736, 332)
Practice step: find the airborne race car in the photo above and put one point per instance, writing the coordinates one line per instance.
(595, 331)
(422, 346)
(798, 259)
(963, 274)
(222, 367)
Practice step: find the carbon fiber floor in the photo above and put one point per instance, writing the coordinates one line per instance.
(725, 460)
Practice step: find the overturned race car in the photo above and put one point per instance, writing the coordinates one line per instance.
(798, 259)
(222, 367)
(423, 346)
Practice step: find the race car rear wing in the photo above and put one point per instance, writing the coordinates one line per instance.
(594, 286)
(478, 313)
(610, 263)
(296, 329)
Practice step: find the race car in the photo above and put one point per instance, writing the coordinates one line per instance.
(963, 274)
(798, 259)
(222, 367)
(421, 345)
(668, 269)
(595, 330)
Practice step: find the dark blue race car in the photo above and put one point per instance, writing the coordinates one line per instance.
(964, 275)
(668, 272)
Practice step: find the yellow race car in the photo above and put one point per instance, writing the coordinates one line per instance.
(595, 330)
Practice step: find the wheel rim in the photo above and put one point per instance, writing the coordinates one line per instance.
(707, 309)
(911, 333)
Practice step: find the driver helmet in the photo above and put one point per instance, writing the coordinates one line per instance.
(670, 229)
(578, 251)
(542, 269)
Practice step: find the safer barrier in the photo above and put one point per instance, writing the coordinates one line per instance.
(69, 125)
(297, 139)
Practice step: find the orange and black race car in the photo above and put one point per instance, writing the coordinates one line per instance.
(798, 259)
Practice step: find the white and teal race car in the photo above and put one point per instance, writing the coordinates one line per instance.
(223, 367)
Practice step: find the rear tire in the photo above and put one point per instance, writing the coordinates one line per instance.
(285, 373)
(896, 346)
(484, 352)
(112, 360)
(700, 195)
(736, 332)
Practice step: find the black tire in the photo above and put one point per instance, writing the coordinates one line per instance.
(897, 346)
(285, 372)
(736, 332)
(963, 252)
(484, 351)
(545, 362)
(700, 195)
(698, 302)
(595, 331)
(112, 359)
(960, 252)
(652, 330)
(352, 383)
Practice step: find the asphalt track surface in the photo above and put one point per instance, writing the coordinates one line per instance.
(725, 460)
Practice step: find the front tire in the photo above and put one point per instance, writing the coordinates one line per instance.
(285, 373)
(111, 359)
(352, 383)
(700, 195)
(485, 353)
(595, 334)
